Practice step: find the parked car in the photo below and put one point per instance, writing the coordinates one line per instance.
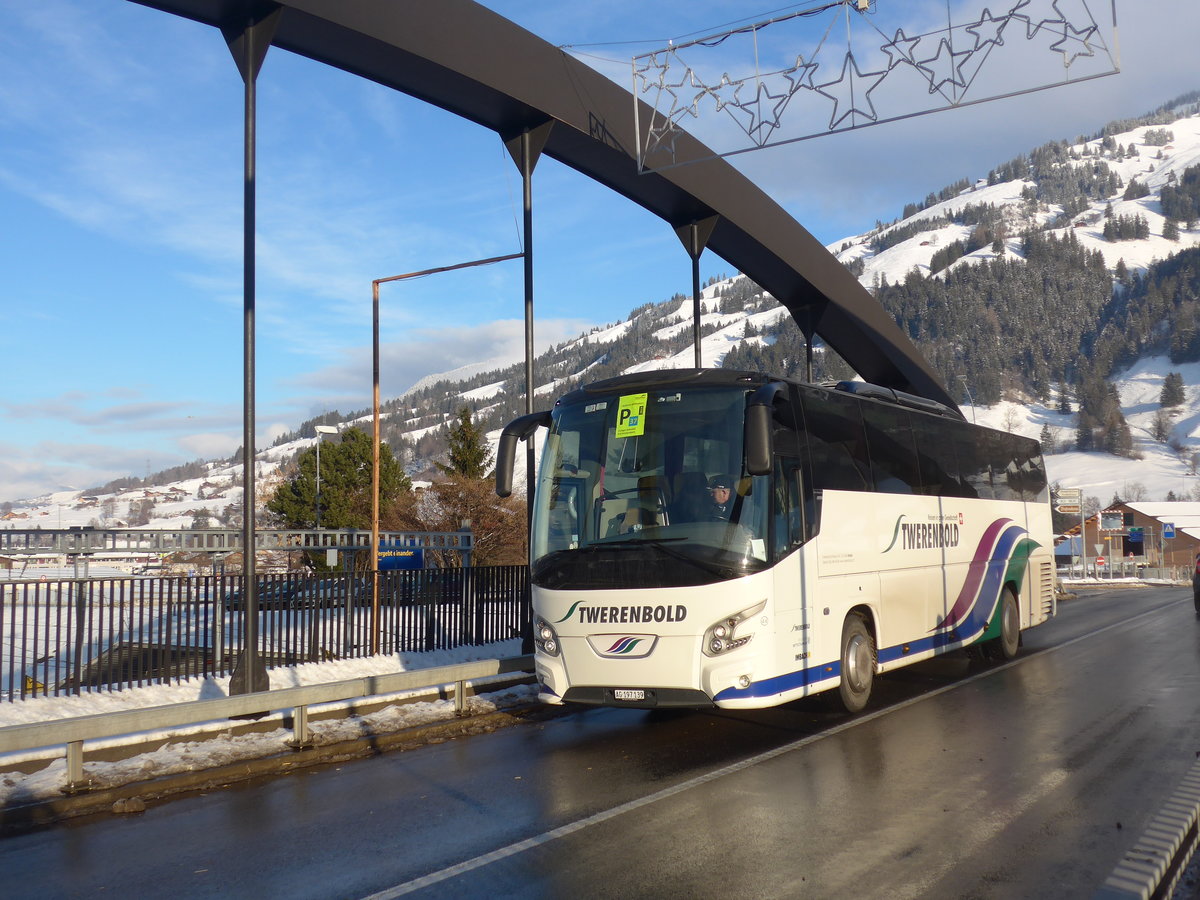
(271, 595)
(332, 592)
(1196, 585)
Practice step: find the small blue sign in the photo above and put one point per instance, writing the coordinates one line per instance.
(1168, 530)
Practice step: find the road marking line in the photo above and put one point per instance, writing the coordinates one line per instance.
(554, 834)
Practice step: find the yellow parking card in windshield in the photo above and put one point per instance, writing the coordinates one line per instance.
(631, 416)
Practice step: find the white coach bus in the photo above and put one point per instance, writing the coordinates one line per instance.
(864, 529)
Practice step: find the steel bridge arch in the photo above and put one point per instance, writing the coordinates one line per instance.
(468, 60)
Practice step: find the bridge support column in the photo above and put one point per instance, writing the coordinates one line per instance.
(694, 236)
(525, 149)
(248, 34)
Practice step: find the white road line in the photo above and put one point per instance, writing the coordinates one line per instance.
(554, 834)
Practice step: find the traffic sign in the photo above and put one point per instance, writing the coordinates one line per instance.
(1075, 494)
(1099, 560)
(1168, 530)
(1068, 508)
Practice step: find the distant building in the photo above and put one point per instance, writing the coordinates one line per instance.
(1139, 529)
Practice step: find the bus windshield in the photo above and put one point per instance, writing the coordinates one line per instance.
(646, 489)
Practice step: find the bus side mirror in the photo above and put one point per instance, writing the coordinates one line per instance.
(758, 440)
(520, 429)
(757, 437)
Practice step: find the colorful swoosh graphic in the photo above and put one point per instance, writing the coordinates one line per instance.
(624, 645)
(1002, 555)
(1002, 551)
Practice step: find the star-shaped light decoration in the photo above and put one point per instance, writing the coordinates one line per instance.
(989, 30)
(663, 130)
(1075, 43)
(848, 99)
(945, 67)
(720, 93)
(901, 49)
(1038, 19)
(766, 108)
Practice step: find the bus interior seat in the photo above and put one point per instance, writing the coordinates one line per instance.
(690, 496)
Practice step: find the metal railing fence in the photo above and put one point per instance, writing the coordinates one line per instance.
(74, 731)
(69, 636)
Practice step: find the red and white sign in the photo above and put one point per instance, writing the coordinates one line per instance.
(1099, 560)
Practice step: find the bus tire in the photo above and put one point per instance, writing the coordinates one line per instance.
(858, 664)
(1006, 646)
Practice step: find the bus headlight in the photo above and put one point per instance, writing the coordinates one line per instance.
(722, 636)
(545, 638)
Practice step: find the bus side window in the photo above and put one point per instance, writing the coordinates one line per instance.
(1000, 449)
(939, 470)
(973, 466)
(837, 445)
(893, 456)
(792, 516)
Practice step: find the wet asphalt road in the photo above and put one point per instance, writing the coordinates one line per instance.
(1029, 779)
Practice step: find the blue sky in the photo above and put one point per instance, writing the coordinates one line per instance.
(120, 192)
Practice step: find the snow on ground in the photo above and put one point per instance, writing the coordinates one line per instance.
(221, 749)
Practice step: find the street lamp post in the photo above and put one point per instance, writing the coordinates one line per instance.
(321, 429)
(375, 419)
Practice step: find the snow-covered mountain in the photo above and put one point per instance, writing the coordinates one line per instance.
(1153, 165)
(938, 236)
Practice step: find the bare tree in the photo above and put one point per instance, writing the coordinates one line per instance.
(1135, 491)
(498, 526)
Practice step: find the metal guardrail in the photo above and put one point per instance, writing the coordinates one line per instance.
(73, 732)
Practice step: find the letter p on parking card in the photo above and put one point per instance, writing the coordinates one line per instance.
(631, 416)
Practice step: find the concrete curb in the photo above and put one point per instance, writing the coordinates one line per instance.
(1153, 865)
(133, 797)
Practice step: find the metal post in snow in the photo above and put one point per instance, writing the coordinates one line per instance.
(248, 35)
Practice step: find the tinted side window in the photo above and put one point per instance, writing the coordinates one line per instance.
(974, 466)
(1005, 474)
(1031, 483)
(939, 467)
(893, 454)
(837, 444)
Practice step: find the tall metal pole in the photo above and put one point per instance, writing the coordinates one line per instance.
(694, 236)
(248, 40)
(527, 163)
(525, 149)
(694, 252)
(320, 430)
(375, 486)
(374, 557)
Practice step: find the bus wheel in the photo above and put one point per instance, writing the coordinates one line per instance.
(1005, 647)
(858, 664)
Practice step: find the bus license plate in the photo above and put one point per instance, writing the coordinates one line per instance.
(621, 694)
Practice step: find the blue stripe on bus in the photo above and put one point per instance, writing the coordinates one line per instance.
(973, 626)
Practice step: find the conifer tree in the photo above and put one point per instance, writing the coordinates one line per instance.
(470, 455)
(1172, 391)
(346, 482)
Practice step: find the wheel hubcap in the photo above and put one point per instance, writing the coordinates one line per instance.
(858, 662)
